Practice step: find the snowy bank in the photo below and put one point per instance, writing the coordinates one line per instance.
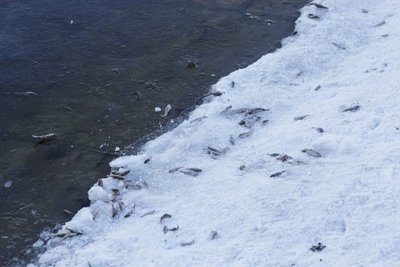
(295, 164)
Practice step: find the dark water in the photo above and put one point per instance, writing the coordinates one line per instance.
(98, 69)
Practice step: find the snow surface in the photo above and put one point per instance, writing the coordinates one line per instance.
(343, 71)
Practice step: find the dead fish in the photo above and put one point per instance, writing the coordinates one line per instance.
(242, 167)
(147, 160)
(277, 174)
(246, 134)
(191, 171)
(312, 16)
(213, 235)
(130, 212)
(352, 109)
(341, 47)
(299, 118)
(124, 173)
(118, 177)
(199, 119)
(69, 233)
(148, 213)
(44, 138)
(320, 130)
(215, 152)
(27, 93)
(173, 229)
(249, 121)
(284, 158)
(167, 110)
(175, 169)
(228, 108)
(136, 185)
(115, 192)
(317, 88)
(256, 110)
(380, 24)
(274, 155)
(232, 140)
(215, 93)
(311, 152)
(184, 244)
(165, 216)
(264, 122)
(319, 6)
(68, 211)
(232, 84)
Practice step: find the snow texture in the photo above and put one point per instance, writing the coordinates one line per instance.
(295, 164)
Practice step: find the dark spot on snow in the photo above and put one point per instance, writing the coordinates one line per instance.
(147, 160)
(213, 235)
(242, 167)
(317, 88)
(277, 174)
(166, 229)
(352, 109)
(341, 47)
(319, 6)
(317, 248)
(380, 24)
(364, 11)
(311, 152)
(312, 16)
(232, 84)
(318, 129)
(184, 244)
(165, 216)
(246, 134)
(299, 118)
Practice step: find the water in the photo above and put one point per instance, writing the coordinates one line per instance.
(98, 69)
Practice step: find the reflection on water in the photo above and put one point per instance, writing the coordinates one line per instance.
(92, 71)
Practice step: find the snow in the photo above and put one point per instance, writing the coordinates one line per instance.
(259, 200)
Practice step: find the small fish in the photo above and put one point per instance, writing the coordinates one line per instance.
(199, 119)
(311, 152)
(317, 88)
(118, 177)
(299, 118)
(232, 140)
(246, 134)
(213, 235)
(173, 229)
(147, 160)
(115, 192)
(167, 110)
(27, 93)
(352, 109)
(319, 6)
(165, 216)
(148, 213)
(284, 158)
(44, 138)
(175, 169)
(184, 244)
(320, 130)
(277, 174)
(341, 47)
(191, 171)
(317, 248)
(312, 16)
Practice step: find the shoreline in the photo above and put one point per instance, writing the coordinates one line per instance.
(300, 189)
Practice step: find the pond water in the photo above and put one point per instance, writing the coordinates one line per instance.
(92, 72)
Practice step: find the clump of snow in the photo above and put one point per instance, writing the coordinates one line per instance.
(248, 180)
(8, 184)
